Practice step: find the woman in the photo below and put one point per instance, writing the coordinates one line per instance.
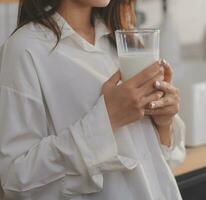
(70, 129)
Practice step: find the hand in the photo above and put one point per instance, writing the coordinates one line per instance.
(164, 110)
(126, 102)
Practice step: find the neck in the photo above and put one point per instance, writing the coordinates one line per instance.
(76, 14)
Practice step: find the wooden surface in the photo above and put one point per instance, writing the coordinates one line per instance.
(195, 159)
(9, 1)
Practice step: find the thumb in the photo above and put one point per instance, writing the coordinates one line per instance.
(115, 78)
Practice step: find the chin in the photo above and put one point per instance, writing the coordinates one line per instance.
(99, 3)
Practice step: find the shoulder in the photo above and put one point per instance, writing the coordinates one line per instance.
(28, 38)
(17, 68)
(15, 50)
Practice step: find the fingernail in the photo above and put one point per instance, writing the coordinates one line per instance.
(164, 62)
(152, 105)
(157, 84)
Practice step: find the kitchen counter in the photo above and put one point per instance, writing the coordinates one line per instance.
(9, 1)
(195, 159)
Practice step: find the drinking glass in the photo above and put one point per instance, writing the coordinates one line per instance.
(137, 49)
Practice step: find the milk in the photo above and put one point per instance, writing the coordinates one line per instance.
(133, 63)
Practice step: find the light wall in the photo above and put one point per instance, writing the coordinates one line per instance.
(8, 18)
(186, 24)
(188, 16)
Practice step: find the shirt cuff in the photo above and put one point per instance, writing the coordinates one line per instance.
(95, 140)
(175, 154)
(167, 150)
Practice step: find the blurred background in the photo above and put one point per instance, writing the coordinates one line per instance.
(183, 45)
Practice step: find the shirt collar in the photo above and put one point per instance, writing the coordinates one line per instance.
(100, 28)
(65, 28)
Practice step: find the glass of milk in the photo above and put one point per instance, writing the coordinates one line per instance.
(137, 49)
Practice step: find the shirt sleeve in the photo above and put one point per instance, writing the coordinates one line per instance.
(31, 157)
(175, 154)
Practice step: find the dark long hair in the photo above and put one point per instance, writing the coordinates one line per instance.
(119, 14)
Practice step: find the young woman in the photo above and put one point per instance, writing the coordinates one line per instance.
(69, 127)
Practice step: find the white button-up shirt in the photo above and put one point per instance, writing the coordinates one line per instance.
(56, 140)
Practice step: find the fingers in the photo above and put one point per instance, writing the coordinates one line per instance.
(147, 99)
(163, 102)
(145, 75)
(168, 105)
(168, 72)
(166, 87)
(148, 87)
(169, 110)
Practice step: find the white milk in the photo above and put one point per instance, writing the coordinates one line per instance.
(133, 63)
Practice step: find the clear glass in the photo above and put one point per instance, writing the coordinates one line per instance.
(137, 49)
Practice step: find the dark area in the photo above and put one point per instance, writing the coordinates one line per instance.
(193, 185)
(164, 5)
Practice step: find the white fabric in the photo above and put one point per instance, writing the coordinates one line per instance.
(56, 140)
